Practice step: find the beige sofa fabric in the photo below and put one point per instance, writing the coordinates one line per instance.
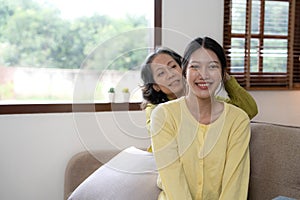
(275, 161)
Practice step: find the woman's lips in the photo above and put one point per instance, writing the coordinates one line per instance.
(203, 85)
(176, 82)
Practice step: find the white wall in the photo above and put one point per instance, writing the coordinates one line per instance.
(185, 20)
(34, 149)
(280, 107)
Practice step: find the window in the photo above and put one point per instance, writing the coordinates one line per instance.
(51, 52)
(262, 43)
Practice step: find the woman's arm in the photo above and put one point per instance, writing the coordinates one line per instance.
(236, 174)
(148, 110)
(240, 97)
(165, 150)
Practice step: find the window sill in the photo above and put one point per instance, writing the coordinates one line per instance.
(67, 108)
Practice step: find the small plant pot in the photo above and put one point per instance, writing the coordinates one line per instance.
(126, 97)
(111, 97)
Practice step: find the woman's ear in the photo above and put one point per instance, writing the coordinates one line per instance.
(156, 87)
(226, 77)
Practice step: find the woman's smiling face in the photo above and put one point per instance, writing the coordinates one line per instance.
(167, 75)
(204, 73)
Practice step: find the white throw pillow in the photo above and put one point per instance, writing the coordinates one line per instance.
(130, 175)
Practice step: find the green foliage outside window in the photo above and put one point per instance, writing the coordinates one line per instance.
(34, 35)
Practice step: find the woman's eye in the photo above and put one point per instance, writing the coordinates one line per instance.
(174, 66)
(213, 66)
(160, 74)
(195, 66)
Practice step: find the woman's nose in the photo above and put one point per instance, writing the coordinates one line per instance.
(171, 73)
(203, 72)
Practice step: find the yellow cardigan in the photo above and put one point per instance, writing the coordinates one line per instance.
(197, 161)
(238, 96)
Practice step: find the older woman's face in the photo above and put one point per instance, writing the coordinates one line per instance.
(167, 75)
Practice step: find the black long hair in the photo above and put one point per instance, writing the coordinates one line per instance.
(150, 95)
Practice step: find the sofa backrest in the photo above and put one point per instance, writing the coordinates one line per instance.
(275, 161)
(274, 154)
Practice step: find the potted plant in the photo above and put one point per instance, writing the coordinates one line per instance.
(111, 94)
(126, 94)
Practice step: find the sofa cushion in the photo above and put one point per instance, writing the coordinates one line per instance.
(275, 161)
(82, 165)
(129, 175)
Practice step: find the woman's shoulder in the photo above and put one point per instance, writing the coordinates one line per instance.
(148, 109)
(170, 111)
(172, 107)
(235, 111)
(150, 106)
(172, 103)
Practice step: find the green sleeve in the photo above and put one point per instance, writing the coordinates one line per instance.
(240, 97)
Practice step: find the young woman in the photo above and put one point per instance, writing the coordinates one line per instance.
(162, 77)
(200, 144)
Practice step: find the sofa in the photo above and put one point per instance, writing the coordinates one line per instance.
(274, 156)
